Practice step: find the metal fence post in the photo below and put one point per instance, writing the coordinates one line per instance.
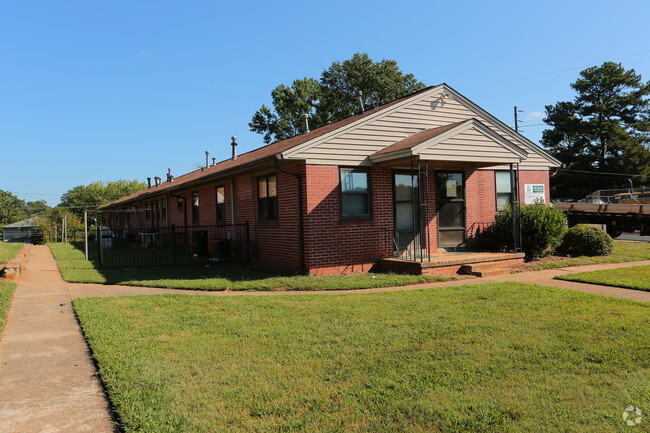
(99, 245)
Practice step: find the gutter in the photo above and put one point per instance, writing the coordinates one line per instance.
(301, 231)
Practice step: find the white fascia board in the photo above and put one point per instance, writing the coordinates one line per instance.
(344, 129)
(389, 156)
(505, 128)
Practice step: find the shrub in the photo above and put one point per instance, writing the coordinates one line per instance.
(585, 240)
(542, 229)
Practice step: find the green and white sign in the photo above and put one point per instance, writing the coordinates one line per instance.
(534, 193)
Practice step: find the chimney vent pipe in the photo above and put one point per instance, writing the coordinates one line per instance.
(234, 147)
(360, 98)
(149, 181)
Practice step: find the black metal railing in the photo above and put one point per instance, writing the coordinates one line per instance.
(169, 246)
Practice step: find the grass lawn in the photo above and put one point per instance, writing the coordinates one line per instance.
(636, 277)
(75, 269)
(9, 250)
(6, 294)
(624, 251)
(504, 357)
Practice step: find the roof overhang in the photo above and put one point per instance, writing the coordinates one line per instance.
(447, 146)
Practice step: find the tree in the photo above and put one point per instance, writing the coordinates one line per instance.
(38, 207)
(89, 197)
(12, 209)
(606, 128)
(333, 97)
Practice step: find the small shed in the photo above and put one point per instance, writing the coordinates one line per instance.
(21, 231)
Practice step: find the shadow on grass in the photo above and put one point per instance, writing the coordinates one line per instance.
(217, 276)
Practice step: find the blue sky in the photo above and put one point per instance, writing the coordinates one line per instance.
(124, 89)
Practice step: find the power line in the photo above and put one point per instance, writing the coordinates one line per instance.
(599, 173)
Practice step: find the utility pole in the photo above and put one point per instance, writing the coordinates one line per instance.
(517, 119)
(86, 233)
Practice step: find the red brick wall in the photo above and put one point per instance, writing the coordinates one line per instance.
(534, 177)
(278, 241)
(333, 245)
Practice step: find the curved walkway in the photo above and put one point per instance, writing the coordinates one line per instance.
(48, 382)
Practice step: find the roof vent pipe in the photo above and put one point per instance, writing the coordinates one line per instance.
(157, 180)
(234, 147)
(207, 159)
(149, 181)
(306, 117)
(360, 98)
(214, 160)
(170, 178)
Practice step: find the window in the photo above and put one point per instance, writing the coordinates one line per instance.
(180, 203)
(195, 207)
(268, 197)
(147, 210)
(221, 205)
(355, 193)
(503, 188)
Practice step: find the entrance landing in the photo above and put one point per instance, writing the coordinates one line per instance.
(473, 263)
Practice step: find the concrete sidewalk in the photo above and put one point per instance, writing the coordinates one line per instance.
(535, 277)
(48, 382)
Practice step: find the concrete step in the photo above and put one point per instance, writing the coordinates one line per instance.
(484, 269)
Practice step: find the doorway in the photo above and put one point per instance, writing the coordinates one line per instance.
(406, 204)
(450, 193)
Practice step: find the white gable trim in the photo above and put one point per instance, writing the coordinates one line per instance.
(505, 128)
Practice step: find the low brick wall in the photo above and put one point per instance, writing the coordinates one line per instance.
(12, 269)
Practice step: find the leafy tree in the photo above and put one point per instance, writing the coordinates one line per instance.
(89, 197)
(606, 128)
(333, 97)
(12, 209)
(38, 207)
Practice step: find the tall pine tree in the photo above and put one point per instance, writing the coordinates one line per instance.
(606, 128)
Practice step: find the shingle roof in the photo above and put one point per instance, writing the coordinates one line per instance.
(29, 222)
(257, 155)
(420, 137)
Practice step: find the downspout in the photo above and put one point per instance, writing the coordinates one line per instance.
(301, 236)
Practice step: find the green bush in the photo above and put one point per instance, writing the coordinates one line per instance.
(585, 240)
(542, 229)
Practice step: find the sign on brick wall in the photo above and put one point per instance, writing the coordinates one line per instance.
(534, 193)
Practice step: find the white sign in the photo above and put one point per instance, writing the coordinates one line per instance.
(534, 193)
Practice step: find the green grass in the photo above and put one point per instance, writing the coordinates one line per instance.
(482, 358)
(636, 277)
(75, 269)
(6, 294)
(9, 250)
(624, 251)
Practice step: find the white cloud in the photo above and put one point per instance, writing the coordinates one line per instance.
(534, 115)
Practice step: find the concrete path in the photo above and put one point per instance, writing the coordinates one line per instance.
(536, 277)
(48, 382)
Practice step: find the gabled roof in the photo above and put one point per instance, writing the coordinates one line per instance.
(29, 222)
(436, 144)
(258, 155)
(289, 147)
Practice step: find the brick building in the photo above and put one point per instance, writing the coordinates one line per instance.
(417, 174)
